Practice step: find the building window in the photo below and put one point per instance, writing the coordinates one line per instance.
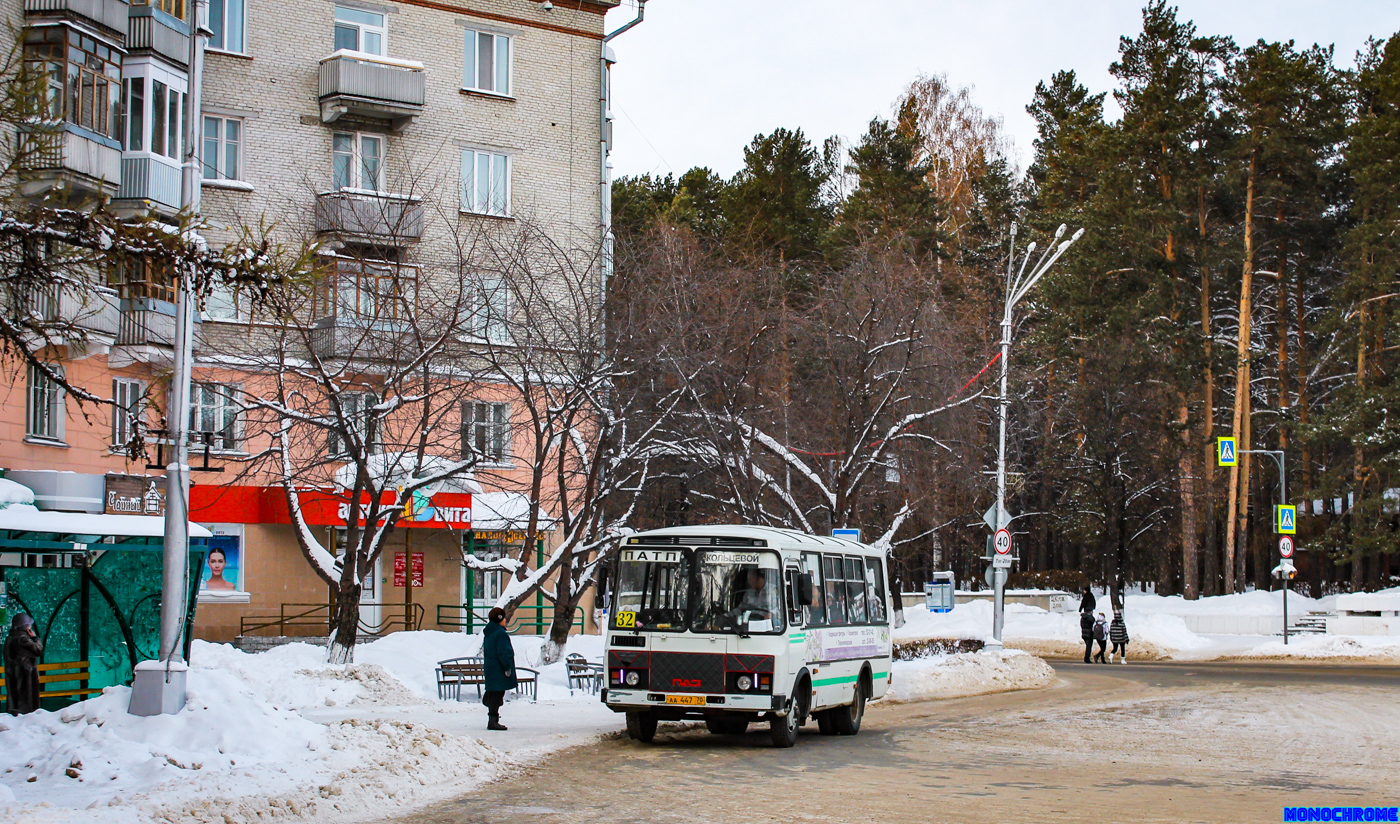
(226, 20)
(153, 117)
(355, 412)
(361, 31)
(82, 77)
(174, 8)
(357, 160)
(47, 410)
(366, 289)
(140, 277)
(486, 431)
(129, 398)
(214, 415)
(486, 60)
(485, 183)
(490, 317)
(223, 141)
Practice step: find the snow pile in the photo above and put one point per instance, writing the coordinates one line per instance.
(964, 674)
(1372, 648)
(14, 493)
(1258, 603)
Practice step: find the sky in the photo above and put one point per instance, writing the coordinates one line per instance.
(699, 78)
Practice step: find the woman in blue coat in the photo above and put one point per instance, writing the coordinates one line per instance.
(498, 658)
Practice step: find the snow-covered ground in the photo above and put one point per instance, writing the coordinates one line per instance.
(283, 736)
(1156, 629)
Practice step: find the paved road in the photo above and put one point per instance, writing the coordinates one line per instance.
(1167, 742)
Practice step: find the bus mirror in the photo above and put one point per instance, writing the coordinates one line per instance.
(804, 589)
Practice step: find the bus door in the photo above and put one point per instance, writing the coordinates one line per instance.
(797, 636)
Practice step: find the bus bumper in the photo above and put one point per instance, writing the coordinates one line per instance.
(633, 700)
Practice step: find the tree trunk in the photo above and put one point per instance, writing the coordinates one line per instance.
(1246, 471)
(345, 622)
(1207, 487)
(1240, 470)
(1190, 527)
(565, 600)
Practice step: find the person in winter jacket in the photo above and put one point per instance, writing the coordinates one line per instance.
(22, 651)
(1118, 634)
(498, 659)
(1086, 631)
(1101, 636)
(1086, 602)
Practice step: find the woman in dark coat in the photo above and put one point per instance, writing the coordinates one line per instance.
(1087, 602)
(22, 651)
(1086, 631)
(498, 658)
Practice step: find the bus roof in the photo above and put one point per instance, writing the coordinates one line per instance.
(773, 536)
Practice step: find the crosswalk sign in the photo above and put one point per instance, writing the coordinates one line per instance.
(1286, 520)
(1225, 454)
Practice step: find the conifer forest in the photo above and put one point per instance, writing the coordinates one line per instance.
(830, 316)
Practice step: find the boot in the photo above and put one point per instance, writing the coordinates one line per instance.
(493, 722)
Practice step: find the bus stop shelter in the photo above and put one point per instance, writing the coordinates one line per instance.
(92, 584)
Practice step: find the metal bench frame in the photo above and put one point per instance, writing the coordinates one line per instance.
(454, 672)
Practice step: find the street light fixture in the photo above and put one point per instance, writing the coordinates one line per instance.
(1017, 286)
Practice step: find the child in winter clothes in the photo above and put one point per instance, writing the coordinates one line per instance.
(1101, 635)
(1118, 634)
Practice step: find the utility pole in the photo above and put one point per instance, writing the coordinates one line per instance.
(1018, 283)
(159, 685)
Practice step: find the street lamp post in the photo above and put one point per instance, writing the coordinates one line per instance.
(1018, 284)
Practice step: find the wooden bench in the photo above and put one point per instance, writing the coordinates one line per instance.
(453, 673)
(61, 672)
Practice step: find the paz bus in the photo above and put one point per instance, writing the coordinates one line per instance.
(740, 624)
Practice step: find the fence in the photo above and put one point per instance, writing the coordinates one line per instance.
(315, 619)
(467, 618)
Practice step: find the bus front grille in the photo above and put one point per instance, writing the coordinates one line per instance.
(687, 672)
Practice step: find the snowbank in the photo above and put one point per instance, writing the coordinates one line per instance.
(1370, 648)
(1256, 603)
(964, 674)
(250, 747)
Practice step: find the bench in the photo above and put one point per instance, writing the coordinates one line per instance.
(453, 673)
(582, 674)
(59, 673)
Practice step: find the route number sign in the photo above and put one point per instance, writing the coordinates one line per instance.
(1286, 519)
(1225, 452)
(1002, 541)
(1285, 546)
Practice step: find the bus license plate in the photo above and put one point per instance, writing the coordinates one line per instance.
(690, 700)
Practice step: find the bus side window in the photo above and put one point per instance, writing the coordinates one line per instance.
(816, 613)
(875, 590)
(835, 590)
(855, 589)
(793, 604)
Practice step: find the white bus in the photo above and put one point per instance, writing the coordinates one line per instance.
(736, 624)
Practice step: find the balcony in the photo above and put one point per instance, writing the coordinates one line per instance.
(351, 337)
(151, 180)
(82, 318)
(146, 322)
(110, 15)
(378, 218)
(60, 156)
(152, 30)
(371, 87)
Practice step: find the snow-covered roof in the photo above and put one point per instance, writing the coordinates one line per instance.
(394, 468)
(505, 511)
(773, 535)
(25, 518)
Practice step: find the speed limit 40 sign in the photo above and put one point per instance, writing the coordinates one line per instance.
(1285, 546)
(1002, 541)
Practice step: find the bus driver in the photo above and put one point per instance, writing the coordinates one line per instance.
(755, 598)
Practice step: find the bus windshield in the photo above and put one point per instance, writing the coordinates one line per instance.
(652, 589)
(737, 592)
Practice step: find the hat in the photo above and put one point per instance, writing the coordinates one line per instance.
(21, 621)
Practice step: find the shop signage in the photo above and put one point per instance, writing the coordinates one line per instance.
(268, 505)
(417, 569)
(133, 495)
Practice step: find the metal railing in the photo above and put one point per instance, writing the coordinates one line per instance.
(109, 13)
(315, 619)
(469, 618)
(382, 216)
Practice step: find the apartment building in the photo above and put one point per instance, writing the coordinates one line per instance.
(393, 136)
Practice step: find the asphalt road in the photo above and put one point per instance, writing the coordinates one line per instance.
(1149, 742)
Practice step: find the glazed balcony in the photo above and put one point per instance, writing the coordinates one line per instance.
(367, 86)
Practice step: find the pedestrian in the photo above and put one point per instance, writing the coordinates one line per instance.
(1101, 636)
(1118, 634)
(1086, 631)
(498, 659)
(1086, 601)
(22, 651)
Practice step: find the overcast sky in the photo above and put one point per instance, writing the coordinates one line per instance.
(699, 78)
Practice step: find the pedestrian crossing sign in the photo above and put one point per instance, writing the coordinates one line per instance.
(1225, 453)
(1286, 520)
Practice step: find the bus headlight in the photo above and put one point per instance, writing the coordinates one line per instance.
(633, 679)
(745, 683)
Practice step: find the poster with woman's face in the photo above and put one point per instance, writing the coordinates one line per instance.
(222, 565)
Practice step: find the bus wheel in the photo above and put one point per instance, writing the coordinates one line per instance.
(727, 726)
(641, 726)
(825, 723)
(847, 718)
(784, 730)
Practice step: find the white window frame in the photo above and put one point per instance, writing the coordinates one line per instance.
(362, 28)
(128, 409)
(221, 145)
(222, 32)
(45, 407)
(357, 161)
(502, 72)
(490, 312)
(225, 397)
(146, 74)
(497, 194)
(354, 406)
(487, 440)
